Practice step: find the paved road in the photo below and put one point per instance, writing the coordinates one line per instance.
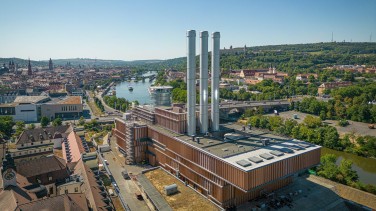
(127, 187)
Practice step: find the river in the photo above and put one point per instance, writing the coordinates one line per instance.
(140, 90)
(365, 167)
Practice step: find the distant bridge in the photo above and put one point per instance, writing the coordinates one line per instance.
(234, 109)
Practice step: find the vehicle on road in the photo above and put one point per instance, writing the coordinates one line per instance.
(125, 174)
(106, 162)
(138, 195)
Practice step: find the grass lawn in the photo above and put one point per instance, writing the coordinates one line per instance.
(159, 178)
(94, 108)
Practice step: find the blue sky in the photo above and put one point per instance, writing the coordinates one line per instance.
(140, 29)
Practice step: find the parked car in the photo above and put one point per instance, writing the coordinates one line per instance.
(125, 174)
(138, 196)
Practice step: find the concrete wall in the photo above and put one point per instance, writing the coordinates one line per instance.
(26, 112)
(71, 187)
(63, 111)
(34, 144)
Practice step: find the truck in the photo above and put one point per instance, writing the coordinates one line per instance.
(371, 126)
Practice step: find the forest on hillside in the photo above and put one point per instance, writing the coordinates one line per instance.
(297, 58)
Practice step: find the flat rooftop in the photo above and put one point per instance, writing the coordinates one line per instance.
(245, 149)
(185, 199)
(68, 100)
(31, 99)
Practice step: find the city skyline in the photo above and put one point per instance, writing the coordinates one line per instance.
(148, 30)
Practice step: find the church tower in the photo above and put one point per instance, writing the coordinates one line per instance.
(8, 172)
(29, 71)
(50, 65)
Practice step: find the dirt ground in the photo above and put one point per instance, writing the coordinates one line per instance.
(359, 128)
(185, 199)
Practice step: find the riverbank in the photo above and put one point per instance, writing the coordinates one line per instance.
(346, 192)
(365, 167)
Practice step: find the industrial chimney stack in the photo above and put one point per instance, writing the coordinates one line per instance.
(215, 81)
(204, 82)
(191, 82)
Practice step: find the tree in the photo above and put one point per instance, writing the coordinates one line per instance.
(57, 122)
(20, 126)
(275, 122)
(260, 110)
(348, 174)
(6, 125)
(31, 126)
(328, 168)
(312, 122)
(81, 121)
(44, 121)
(343, 122)
(331, 137)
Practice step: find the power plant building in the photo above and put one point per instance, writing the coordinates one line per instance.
(228, 163)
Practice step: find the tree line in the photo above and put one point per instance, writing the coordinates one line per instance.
(355, 103)
(314, 131)
(342, 173)
(117, 103)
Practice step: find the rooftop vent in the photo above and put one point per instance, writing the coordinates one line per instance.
(224, 149)
(286, 150)
(305, 145)
(244, 163)
(296, 147)
(255, 159)
(277, 153)
(265, 141)
(266, 156)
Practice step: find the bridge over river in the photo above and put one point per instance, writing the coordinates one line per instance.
(234, 109)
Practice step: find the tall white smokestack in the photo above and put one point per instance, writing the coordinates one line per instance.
(191, 82)
(204, 82)
(215, 82)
